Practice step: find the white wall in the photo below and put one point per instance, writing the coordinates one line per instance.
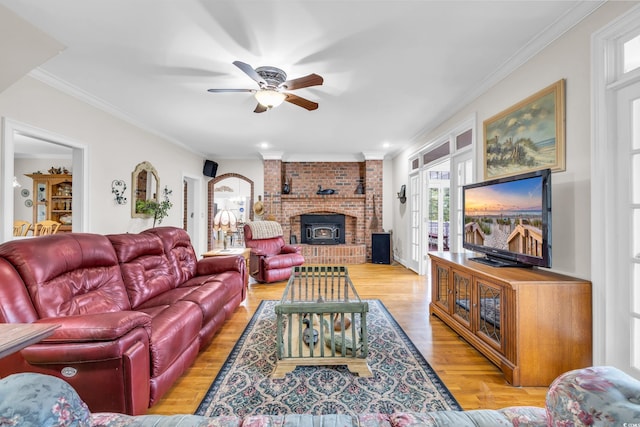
(400, 212)
(252, 169)
(569, 58)
(389, 196)
(114, 146)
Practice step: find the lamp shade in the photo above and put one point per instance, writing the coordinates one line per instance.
(225, 220)
(270, 98)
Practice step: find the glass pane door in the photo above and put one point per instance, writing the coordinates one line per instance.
(489, 311)
(462, 295)
(439, 201)
(463, 170)
(41, 201)
(629, 142)
(414, 206)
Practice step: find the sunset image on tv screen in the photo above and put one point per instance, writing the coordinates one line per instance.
(506, 216)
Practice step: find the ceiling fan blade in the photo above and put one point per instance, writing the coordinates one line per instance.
(301, 102)
(249, 71)
(260, 108)
(229, 90)
(306, 81)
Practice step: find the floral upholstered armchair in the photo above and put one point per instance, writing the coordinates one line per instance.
(601, 395)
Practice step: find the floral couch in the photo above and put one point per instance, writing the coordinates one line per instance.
(596, 396)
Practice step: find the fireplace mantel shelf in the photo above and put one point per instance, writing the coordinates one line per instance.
(319, 196)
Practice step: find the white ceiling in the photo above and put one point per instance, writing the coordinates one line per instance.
(392, 69)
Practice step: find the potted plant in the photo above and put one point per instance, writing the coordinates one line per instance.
(155, 209)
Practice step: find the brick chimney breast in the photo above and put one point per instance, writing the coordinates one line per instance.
(343, 177)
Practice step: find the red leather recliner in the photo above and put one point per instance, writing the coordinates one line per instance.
(271, 259)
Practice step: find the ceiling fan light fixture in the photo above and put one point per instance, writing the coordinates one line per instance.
(270, 98)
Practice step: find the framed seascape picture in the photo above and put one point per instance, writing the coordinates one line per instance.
(529, 136)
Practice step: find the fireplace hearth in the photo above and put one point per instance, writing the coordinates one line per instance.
(322, 229)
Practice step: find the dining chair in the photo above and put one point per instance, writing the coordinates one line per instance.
(46, 227)
(20, 228)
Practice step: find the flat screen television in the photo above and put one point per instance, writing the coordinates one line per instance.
(509, 220)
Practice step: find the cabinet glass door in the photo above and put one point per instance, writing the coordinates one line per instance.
(490, 319)
(41, 201)
(442, 286)
(462, 292)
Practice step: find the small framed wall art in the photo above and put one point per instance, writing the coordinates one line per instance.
(528, 136)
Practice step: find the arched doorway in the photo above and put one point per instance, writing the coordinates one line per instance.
(230, 191)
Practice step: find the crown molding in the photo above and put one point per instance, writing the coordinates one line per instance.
(373, 155)
(333, 157)
(548, 35)
(271, 155)
(69, 89)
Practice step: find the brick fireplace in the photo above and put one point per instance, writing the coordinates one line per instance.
(357, 206)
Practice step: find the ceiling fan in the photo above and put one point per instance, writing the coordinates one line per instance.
(272, 84)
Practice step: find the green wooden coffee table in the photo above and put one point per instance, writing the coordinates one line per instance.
(321, 321)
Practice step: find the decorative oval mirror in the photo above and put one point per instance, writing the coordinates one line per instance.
(145, 189)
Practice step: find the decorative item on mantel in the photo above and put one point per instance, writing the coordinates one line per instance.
(286, 188)
(118, 187)
(325, 191)
(360, 187)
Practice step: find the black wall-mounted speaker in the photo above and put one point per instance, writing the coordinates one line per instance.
(210, 168)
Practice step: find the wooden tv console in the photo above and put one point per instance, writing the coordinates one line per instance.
(533, 324)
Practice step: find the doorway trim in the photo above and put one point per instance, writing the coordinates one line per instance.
(608, 293)
(80, 165)
(211, 200)
(417, 232)
(193, 203)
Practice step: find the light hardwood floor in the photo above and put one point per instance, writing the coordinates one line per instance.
(472, 379)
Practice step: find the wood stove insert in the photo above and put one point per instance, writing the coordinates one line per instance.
(322, 229)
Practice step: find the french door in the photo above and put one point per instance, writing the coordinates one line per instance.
(462, 175)
(628, 222)
(438, 206)
(414, 231)
(615, 184)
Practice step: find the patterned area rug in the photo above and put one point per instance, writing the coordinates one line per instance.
(402, 379)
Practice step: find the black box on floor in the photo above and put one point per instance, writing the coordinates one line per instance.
(381, 248)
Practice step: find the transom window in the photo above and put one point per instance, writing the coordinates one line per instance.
(631, 54)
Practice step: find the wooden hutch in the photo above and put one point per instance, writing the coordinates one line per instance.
(52, 198)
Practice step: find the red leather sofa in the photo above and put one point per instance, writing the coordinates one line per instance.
(271, 259)
(134, 310)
